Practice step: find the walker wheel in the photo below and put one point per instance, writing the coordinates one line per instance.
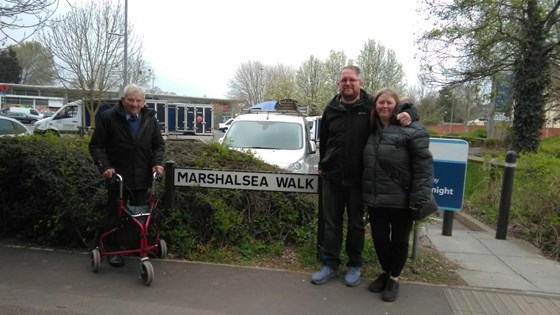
(95, 260)
(162, 253)
(146, 272)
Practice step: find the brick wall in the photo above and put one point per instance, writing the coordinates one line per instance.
(458, 128)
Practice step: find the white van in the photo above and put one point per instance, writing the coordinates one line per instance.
(71, 118)
(278, 137)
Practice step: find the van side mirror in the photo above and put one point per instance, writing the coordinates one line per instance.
(312, 147)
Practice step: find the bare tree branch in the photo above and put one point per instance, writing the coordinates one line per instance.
(21, 19)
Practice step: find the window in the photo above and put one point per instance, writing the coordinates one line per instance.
(265, 135)
(6, 127)
(68, 112)
(19, 129)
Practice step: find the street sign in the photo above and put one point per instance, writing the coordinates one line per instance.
(450, 172)
(286, 182)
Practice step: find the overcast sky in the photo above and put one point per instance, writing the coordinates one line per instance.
(195, 47)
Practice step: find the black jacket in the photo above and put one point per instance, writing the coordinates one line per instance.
(398, 169)
(344, 132)
(113, 145)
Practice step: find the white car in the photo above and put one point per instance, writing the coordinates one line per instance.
(277, 137)
(223, 127)
(10, 127)
(30, 115)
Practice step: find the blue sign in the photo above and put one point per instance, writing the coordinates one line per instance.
(450, 172)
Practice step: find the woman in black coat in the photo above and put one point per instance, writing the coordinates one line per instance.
(398, 174)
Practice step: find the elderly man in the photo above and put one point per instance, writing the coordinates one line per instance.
(127, 140)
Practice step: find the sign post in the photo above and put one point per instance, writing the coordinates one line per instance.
(450, 170)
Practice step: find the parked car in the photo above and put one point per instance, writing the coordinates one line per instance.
(10, 127)
(24, 114)
(279, 137)
(22, 117)
(223, 127)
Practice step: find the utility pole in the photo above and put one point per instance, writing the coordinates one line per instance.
(125, 57)
(125, 67)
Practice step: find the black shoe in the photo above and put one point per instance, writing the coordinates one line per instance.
(379, 284)
(116, 261)
(391, 291)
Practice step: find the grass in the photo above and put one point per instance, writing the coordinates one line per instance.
(430, 266)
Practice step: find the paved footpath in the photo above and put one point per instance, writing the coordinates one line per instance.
(504, 276)
(55, 282)
(51, 282)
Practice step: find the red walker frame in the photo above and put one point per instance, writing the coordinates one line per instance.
(159, 248)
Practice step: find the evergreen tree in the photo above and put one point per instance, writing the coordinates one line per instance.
(10, 70)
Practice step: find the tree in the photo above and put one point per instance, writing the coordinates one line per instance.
(248, 83)
(19, 19)
(10, 70)
(468, 101)
(428, 108)
(309, 78)
(139, 70)
(426, 102)
(380, 68)
(280, 83)
(476, 40)
(36, 62)
(88, 48)
(531, 70)
(335, 62)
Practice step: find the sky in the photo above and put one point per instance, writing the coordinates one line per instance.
(195, 47)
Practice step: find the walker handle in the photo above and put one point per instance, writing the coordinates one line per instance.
(119, 179)
(154, 179)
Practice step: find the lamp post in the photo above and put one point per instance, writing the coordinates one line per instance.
(125, 67)
(448, 96)
(152, 77)
(451, 122)
(125, 54)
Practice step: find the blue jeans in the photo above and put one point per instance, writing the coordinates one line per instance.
(337, 198)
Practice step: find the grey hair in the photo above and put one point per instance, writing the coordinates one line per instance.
(131, 88)
(353, 68)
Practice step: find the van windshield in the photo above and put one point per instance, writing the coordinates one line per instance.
(265, 135)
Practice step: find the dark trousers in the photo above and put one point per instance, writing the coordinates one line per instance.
(336, 198)
(111, 220)
(390, 231)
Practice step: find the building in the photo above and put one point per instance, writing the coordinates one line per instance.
(50, 98)
(552, 115)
